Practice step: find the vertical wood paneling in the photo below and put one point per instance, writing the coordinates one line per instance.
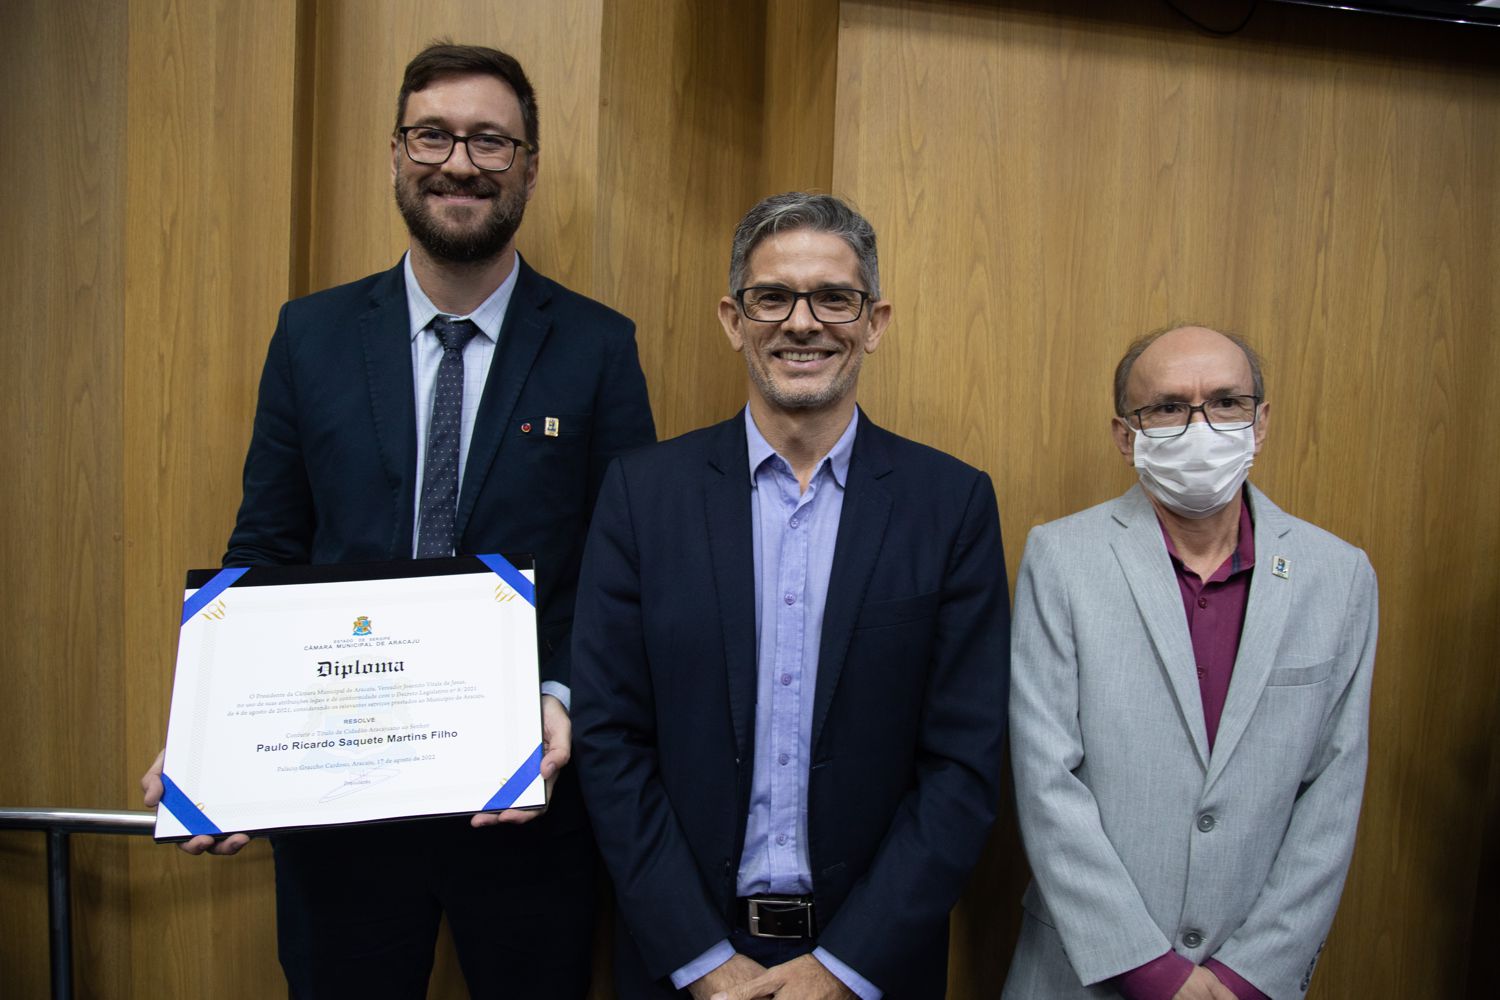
(679, 162)
(1049, 185)
(62, 67)
(210, 193)
(797, 128)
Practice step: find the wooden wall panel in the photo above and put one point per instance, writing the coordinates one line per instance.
(797, 127)
(679, 163)
(62, 67)
(1048, 182)
(210, 189)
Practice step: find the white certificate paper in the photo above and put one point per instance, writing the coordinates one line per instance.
(320, 695)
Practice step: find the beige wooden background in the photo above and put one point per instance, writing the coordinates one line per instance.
(1048, 180)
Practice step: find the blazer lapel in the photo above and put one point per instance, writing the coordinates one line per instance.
(1265, 620)
(1143, 559)
(862, 524)
(385, 337)
(521, 336)
(726, 497)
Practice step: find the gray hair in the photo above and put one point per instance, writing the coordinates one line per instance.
(1136, 349)
(821, 213)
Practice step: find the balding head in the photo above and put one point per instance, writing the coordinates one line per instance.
(1180, 346)
(1185, 364)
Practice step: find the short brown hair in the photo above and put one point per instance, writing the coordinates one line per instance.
(1138, 347)
(443, 58)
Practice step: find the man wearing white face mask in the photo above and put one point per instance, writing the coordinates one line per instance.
(1190, 687)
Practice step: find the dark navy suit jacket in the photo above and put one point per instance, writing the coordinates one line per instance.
(329, 474)
(909, 709)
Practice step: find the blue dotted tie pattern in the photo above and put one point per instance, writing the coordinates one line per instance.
(439, 507)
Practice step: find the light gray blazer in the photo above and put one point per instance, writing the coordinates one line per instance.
(1140, 840)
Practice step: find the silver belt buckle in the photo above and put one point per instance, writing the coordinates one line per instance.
(753, 905)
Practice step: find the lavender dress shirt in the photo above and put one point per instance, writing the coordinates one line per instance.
(793, 537)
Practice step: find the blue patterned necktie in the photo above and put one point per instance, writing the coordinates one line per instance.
(439, 506)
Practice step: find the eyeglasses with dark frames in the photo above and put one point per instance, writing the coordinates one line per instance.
(1222, 413)
(431, 146)
(774, 304)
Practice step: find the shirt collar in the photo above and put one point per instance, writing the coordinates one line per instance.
(1243, 556)
(488, 316)
(837, 458)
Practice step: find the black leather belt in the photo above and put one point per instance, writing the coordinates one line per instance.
(771, 916)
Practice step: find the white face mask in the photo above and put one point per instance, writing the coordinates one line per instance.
(1198, 472)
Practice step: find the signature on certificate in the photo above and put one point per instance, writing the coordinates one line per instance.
(359, 781)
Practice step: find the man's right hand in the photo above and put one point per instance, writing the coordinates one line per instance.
(738, 969)
(151, 789)
(1204, 985)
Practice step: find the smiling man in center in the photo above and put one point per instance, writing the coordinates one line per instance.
(790, 659)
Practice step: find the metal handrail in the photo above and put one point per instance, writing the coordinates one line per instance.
(58, 824)
(127, 821)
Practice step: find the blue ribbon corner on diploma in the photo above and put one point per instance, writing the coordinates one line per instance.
(177, 803)
(217, 584)
(505, 571)
(517, 783)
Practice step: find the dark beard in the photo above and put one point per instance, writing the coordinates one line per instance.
(502, 217)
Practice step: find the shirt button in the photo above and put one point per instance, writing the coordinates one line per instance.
(1192, 939)
(1206, 822)
(786, 679)
(781, 839)
(794, 522)
(782, 759)
(790, 598)
(1201, 672)
(1202, 602)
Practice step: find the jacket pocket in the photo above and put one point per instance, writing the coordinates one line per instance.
(1300, 676)
(879, 614)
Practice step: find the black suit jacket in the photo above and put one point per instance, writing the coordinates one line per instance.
(332, 460)
(909, 708)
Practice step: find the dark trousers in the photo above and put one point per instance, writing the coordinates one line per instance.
(357, 908)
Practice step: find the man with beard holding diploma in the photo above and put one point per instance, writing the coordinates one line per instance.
(457, 403)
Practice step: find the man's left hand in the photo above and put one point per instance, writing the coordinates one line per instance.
(557, 750)
(803, 978)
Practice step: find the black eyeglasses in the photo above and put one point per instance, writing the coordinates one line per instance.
(1222, 413)
(774, 304)
(490, 151)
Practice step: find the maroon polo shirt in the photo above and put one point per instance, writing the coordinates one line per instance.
(1215, 616)
(1215, 610)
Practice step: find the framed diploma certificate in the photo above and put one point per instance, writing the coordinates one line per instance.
(309, 696)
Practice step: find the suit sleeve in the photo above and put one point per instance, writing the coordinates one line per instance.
(622, 411)
(1278, 944)
(941, 825)
(622, 423)
(614, 719)
(276, 518)
(1098, 911)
